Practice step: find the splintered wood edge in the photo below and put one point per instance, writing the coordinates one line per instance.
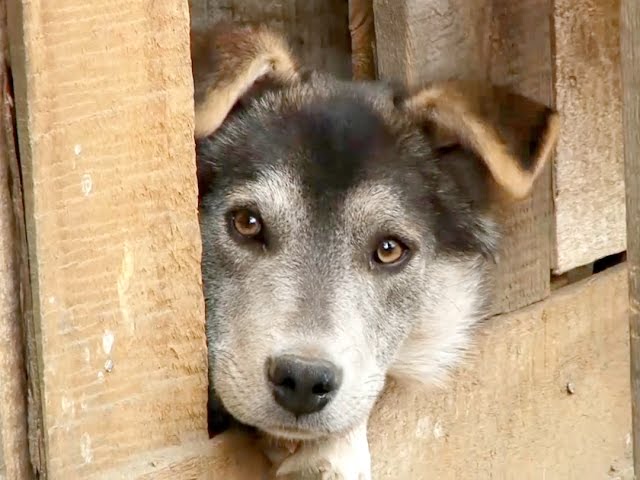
(14, 450)
(14, 443)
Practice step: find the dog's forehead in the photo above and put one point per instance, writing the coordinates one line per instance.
(319, 149)
(330, 138)
(281, 190)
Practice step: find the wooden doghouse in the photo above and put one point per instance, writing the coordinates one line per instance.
(103, 371)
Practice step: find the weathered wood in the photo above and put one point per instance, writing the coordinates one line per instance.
(14, 447)
(362, 39)
(521, 59)
(499, 40)
(588, 173)
(229, 456)
(318, 29)
(509, 413)
(630, 49)
(105, 120)
(418, 41)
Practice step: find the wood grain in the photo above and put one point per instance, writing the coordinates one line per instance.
(317, 29)
(14, 447)
(418, 41)
(230, 456)
(105, 119)
(502, 41)
(509, 413)
(521, 58)
(588, 174)
(630, 48)
(363, 35)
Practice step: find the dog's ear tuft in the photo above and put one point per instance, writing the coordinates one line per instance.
(513, 135)
(228, 62)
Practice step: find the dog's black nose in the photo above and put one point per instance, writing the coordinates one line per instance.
(302, 385)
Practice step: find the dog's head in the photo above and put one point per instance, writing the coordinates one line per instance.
(339, 221)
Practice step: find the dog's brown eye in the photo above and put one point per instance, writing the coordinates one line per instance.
(247, 223)
(389, 251)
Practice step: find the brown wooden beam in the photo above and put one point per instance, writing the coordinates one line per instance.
(104, 105)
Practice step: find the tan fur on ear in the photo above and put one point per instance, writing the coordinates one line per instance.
(227, 61)
(501, 127)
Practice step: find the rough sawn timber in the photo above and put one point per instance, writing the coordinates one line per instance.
(105, 119)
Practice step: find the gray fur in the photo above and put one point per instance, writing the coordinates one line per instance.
(324, 198)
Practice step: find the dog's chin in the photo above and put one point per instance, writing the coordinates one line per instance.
(301, 431)
(294, 434)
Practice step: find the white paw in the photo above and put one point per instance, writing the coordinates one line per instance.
(334, 458)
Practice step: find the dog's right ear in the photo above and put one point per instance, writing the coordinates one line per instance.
(228, 62)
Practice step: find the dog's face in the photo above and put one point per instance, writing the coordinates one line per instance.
(340, 225)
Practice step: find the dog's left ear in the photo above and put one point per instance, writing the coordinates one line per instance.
(231, 61)
(512, 135)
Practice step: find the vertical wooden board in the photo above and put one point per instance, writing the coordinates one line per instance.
(362, 33)
(105, 120)
(499, 40)
(546, 396)
(14, 450)
(521, 58)
(630, 66)
(588, 174)
(14, 447)
(317, 29)
(418, 41)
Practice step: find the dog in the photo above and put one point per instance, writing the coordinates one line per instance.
(348, 231)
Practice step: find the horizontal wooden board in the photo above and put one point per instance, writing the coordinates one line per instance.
(589, 168)
(510, 413)
(229, 456)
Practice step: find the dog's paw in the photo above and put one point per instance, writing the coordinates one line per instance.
(335, 458)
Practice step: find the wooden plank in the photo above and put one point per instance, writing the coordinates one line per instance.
(228, 456)
(510, 412)
(499, 40)
(318, 29)
(105, 121)
(588, 174)
(418, 41)
(630, 49)
(521, 58)
(362, 39)
(14, 447)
